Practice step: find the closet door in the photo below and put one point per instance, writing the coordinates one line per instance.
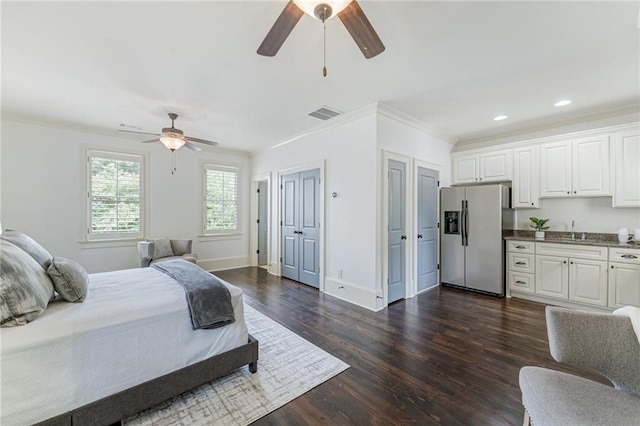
(301, 227)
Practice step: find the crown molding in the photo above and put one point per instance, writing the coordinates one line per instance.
(94, 130)
(387, 111)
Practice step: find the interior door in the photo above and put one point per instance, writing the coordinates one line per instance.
(262, 223)
(427, 257)
(309, 227)
(301, 227)
(289, 226)
(397, 236)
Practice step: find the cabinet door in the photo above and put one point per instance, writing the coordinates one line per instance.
(591, 166)
(526, 177)
(626, 166)
(466, 169)
(496, 166)
(624, 285)
(588, 281)
(552, 276)
(555, 169)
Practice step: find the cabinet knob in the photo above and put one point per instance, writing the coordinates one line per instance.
(611, 266)
(565, 262)
(568, 192)
(532, 204)
(575, 192)
(572, 263)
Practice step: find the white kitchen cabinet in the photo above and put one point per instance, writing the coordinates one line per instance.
(526, 177)
(552, 276)
(588, 281)
(626, 167)
(521, 266)
(493, 166)
(624, 277)
(575, 168)
(574, 272)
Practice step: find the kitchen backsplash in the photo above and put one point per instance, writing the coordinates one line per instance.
(590, 215)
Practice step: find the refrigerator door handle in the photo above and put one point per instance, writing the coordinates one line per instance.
(462, 223)
(466, 222)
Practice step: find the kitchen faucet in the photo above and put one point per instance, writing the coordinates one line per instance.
(573, 229)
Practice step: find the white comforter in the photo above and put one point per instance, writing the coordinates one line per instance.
(134, 326)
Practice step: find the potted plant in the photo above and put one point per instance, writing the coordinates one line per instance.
(539, 225)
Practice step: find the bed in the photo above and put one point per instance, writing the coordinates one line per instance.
(128, 346)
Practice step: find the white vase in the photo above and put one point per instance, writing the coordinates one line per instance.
(539, 235)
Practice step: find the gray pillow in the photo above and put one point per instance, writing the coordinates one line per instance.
(28, 244)
(69, 279)
(161, 248)
(25, 289)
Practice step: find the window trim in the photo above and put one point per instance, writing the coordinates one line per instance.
(120, 154)
(226, 233)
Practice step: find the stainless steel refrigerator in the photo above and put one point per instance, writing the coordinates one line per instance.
(472, 224)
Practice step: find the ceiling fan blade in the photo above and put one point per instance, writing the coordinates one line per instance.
(140, 133)
(280, 30)
(151, 140)
(211, 143)
(361, 30)
(192, 147)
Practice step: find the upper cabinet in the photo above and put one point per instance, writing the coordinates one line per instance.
(626, 168)
(492, 166)
(526, 177)
(575, 168)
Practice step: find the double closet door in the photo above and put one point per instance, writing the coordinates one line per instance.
(301, 227)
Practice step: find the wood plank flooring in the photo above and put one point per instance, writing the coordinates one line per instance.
(443, 357)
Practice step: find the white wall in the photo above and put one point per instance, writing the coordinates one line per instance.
(43, 186)
(590, 214)
(349, 155)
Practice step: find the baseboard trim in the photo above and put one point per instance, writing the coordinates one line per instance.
(352, 293)
(223, 263)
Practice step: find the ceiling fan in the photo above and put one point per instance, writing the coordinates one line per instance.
(349, 13)
(174, 138)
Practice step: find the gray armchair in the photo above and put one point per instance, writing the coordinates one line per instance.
(602, 342)
(181, 249)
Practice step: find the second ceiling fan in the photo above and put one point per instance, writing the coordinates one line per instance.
(349, 12)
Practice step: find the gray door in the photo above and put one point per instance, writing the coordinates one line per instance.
(301, 227)
(397, 236)
(451, 234)
(262, 223)
(427, 211)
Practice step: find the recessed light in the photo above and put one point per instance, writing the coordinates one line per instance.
(499, 117)
(563, 102)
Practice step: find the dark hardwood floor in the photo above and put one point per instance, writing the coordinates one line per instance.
(443, 357)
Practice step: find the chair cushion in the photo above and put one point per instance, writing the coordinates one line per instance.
(69, 279)
(555, 398)
(161, 248)
(185, 257)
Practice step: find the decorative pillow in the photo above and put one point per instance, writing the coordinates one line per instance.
(161, 248)
(69, 279)
(25, 289)
(28, 244)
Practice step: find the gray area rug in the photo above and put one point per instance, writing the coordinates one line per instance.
(288, 366)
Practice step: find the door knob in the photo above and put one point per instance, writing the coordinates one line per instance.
(419, 235)
(404, 237)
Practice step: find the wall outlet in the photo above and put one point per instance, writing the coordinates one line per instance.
(340, 273)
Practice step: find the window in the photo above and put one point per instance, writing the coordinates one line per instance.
(115, 195)
(220, 199)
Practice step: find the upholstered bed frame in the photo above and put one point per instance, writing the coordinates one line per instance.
(117, 407)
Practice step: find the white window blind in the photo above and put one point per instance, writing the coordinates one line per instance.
(221, 199)
(115, 195)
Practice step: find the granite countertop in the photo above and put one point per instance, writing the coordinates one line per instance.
(591, 239)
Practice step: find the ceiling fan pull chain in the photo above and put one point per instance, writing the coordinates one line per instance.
(173, 161)
(324, 67)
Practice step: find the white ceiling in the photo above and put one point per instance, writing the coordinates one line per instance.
(452, 65)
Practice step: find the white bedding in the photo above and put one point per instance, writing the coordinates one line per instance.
(134, 326)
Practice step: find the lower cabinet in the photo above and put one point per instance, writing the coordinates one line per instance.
(624, 277)
(588, 281)
(552, 276)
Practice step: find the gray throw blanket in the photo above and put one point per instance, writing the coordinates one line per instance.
(208, 298)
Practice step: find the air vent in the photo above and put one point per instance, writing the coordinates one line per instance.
(324, 113)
